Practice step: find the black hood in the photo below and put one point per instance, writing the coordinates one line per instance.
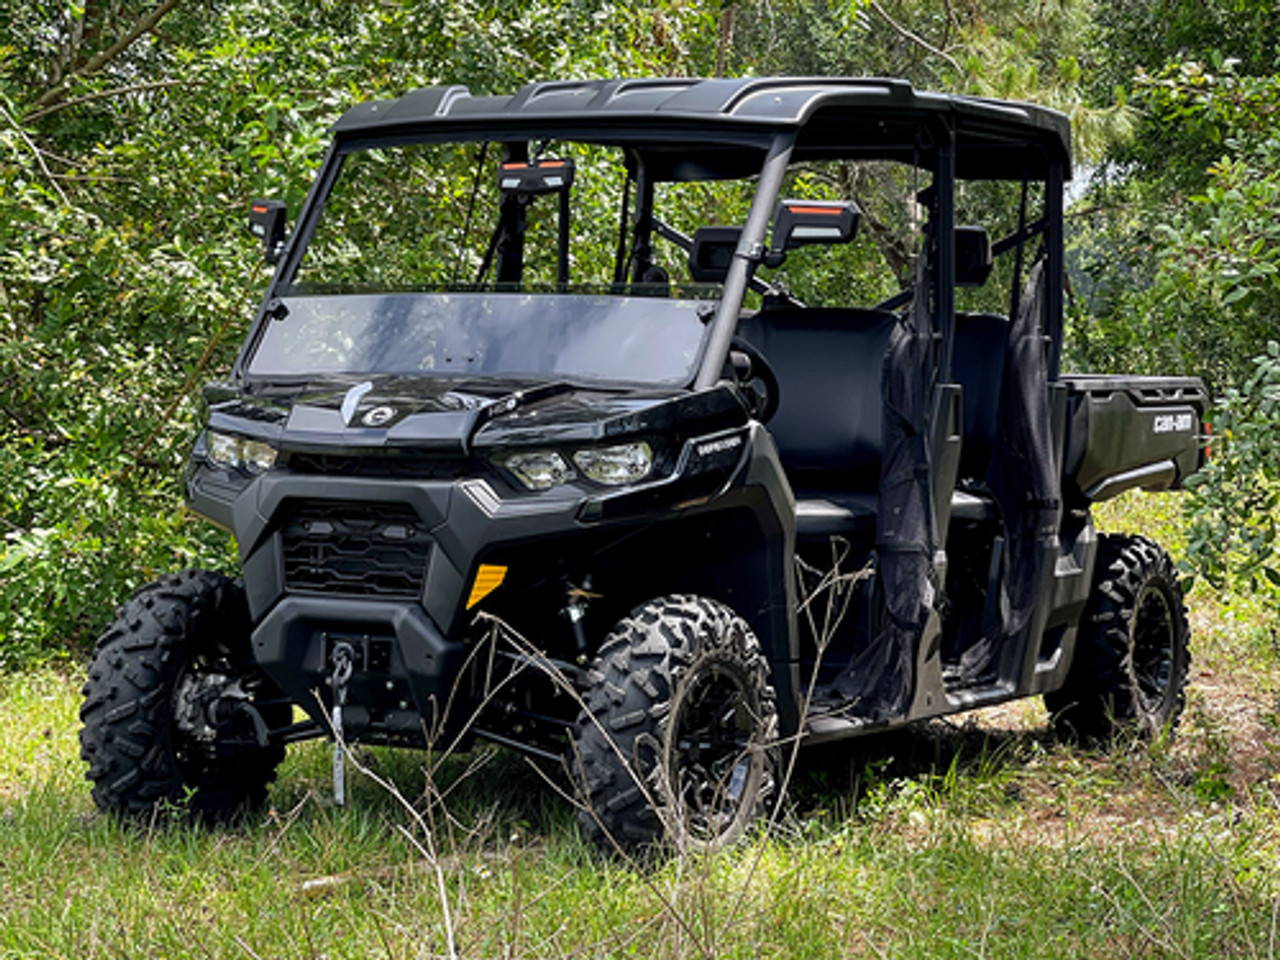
(451, 416)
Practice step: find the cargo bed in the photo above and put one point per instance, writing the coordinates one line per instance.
(1126, 432)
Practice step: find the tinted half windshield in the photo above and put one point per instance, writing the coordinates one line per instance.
(577, 337)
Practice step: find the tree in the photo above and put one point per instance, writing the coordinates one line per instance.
(131, 136)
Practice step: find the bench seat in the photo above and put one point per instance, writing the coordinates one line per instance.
(842, 513)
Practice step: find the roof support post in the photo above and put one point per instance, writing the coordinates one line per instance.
(1054, 263)
(944, 300)
(642, 236)
(751, 247)
(562, 241)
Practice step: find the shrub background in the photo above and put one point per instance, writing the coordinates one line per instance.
(133, 133)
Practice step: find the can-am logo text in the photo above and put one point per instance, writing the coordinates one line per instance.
(1172, 423)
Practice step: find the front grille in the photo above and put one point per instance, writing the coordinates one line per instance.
(355, 549)
(410, 465)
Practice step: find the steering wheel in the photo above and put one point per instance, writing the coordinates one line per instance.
(761, 383)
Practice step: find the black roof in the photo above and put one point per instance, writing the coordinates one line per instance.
(833, 117)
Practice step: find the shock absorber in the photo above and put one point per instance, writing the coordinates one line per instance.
(575, 609)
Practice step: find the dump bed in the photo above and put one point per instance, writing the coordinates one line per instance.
(1124, 432)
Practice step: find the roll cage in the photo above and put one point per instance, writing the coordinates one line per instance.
(686, 130)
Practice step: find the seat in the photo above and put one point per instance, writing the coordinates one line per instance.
(977, 364)
(829, 364)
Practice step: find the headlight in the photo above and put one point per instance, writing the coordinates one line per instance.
(223, 451)
(230, 452)
(540, 470)
(256, 456)
(615, 466)
(609, 466)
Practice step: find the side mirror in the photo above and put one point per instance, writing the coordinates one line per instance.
(535, 177)
(801, 222)
(712, 252)
(266, 222)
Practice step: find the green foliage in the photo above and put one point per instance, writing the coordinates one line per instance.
(1139, 38)
(1194, 287)
(1234, 508)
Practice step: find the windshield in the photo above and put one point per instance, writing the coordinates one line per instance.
(524, 214)
(581, 337)
(530, 258)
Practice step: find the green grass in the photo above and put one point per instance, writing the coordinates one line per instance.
(978, 838)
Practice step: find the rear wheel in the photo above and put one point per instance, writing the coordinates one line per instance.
(175, 709)
(678, 739)
(1130, 667)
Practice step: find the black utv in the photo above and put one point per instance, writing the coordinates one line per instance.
(558, 428)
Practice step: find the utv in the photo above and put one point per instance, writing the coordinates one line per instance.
(556, 428)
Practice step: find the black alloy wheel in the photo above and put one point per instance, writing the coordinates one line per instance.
(1129, 670)
(677, 744)
(709, 760)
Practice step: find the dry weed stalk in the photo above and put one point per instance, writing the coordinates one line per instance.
(832, 591)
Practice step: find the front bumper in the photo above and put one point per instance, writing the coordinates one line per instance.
(409, 641)
(404, 668)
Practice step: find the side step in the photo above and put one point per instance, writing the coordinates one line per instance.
(834, 717)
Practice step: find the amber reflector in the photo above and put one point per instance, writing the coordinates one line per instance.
(488, 579)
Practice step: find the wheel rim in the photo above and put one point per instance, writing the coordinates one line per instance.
(1152, 651)
(208, 749)
(713, 753)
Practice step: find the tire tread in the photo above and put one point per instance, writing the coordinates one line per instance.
(126, 735)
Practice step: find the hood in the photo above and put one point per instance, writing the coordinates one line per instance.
(450, 416)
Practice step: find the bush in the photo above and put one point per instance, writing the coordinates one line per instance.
(1234, 508)
(1188, 284)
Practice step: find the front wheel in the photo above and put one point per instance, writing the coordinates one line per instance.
(1129, 672)
(175, 709)
(678, 739)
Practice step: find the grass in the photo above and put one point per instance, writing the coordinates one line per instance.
(977, 838)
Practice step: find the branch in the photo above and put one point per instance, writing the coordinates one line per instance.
(915, 38)
(100, 95)
(143, 26)
(35, 152)
(951, 22)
